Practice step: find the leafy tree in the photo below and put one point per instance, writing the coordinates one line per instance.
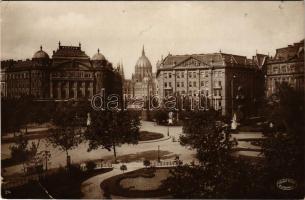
(18, 112)
(217, 175)
(110, 128)
(65, 138)
(67, 135)
(161, 116)
(90, 165)
(200, 131)
(284, 144)
(22, 152)
(14, 114)
(123, 168)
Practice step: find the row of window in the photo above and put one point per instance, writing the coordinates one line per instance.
(196, 93)
(73, 85)
(192, 74)
(193, 84)
(16, 84)
(203, 92)
(72, 74)
(15, 92)
(282, 69)
(24, 75)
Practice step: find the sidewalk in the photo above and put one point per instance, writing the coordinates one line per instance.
(29, 131)
(157, 140)
(91, 187)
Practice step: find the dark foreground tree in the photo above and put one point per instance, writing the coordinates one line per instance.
(22, 151)
(17, 113)
(219, 174)
(109, 129)
(284, 144)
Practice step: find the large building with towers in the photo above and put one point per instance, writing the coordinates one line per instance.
(69, 74)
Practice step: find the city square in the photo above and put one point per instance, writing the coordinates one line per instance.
(121, 111)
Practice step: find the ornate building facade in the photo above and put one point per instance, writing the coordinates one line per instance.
(217, 76)
(68, 74)
(286, 66)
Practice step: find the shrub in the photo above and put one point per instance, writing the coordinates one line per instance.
(123, 168)
(90, 165)
(146, 163)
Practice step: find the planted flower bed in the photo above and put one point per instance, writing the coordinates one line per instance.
(142, 183)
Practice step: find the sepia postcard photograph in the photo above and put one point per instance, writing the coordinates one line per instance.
(152, 99)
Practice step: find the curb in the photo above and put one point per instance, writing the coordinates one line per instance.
(158, 140)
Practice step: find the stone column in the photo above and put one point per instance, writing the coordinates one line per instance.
(75, 89)
(91, 90)
(83, 89)
(59, 90)
(51, 89)
(67, 90)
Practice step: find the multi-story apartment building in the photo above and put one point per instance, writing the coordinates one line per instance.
(286, 66)
(217, 76)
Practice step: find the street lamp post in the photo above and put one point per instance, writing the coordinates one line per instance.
(158, 153)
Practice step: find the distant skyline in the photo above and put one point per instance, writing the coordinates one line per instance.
(119, 29)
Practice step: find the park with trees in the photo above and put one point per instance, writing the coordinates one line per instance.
(219, 172)
(222, 175)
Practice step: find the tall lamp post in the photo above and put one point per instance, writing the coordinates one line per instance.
(158, 153)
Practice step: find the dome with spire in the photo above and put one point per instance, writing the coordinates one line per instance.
(40, 54)
(98, 56)
(143, 67)
(143, 61)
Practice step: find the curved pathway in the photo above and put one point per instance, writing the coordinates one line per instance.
(91, 187)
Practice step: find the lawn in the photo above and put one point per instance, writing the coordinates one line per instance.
(142, 183)
(146, 135)
(140, 156)
(61, 185)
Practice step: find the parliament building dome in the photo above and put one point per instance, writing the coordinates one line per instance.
(143, 61)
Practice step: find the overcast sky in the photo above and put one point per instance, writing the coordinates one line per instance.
(119, 29)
